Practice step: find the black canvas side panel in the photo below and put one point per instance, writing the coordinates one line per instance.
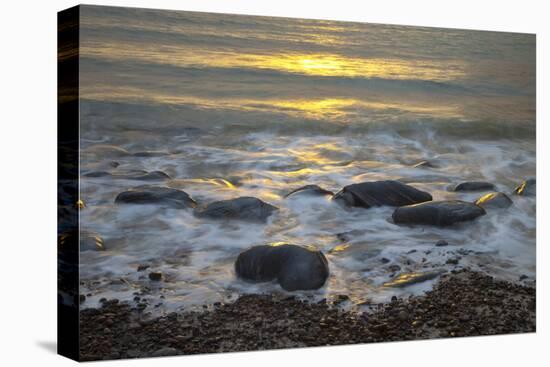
(67, 182)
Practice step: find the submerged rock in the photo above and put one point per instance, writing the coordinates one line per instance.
(149, 176)
(109, 150)
(437, 213)
(494, 200)
(311, 190)
(91, 241)
(527, 188)
(406, 279)
(150, 153)
(131, 175)
(425, 164)
(424, 179)
(474, 186)
(71, 241)
(379, 193)
(347, 236)
(156, 195)
(294, 267)
(243, 208)
(94, 174)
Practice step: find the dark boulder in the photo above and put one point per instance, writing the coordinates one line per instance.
(437, 213)
(294, 267)
(310, 190)
(379, 193)
(156, 195)
(527, 188)
(243, 208)
(494, 200)
(474, 186)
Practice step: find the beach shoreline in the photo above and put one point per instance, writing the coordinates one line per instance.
(462, 303)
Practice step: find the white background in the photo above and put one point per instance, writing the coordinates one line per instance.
(28, 181)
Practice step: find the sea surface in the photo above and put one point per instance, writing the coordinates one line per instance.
(233, 106)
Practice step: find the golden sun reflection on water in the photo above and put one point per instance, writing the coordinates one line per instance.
(333, 109)
(339, 65)
(314, 154)
(184, 182)
(316, 64)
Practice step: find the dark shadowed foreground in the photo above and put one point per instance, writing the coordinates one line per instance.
(462, 304)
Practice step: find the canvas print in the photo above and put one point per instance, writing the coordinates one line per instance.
(240, 183)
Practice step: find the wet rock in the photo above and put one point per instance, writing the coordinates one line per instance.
(406, 279)
(243, 208)
(71, 241)
(91, 241)
(380, 193)
(437, 213)
(347, 236)
(403, 315)
(341, 298)
(494, 200)
(474, 186)
(294, 267)
(442, 243)
(163, 352)
(155, 276)
(527, 188)
(310, 190)
(156, 195)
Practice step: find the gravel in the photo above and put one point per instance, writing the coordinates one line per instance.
(463, 303)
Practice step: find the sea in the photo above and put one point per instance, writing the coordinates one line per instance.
(234, 105)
